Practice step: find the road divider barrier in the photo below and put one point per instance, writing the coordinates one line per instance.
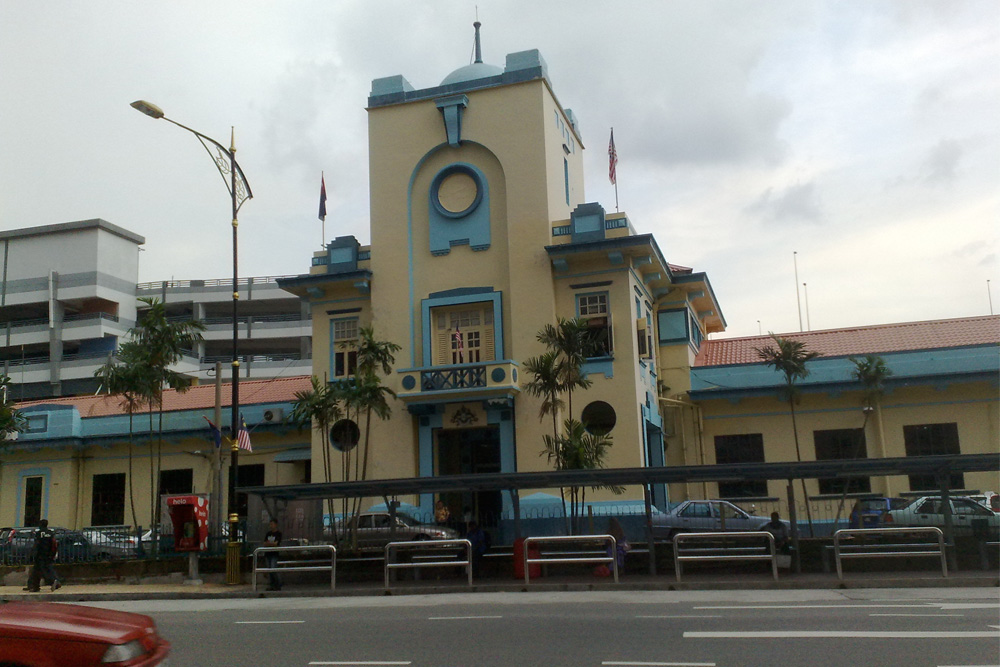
(554, 557)
(729, 546)
(885, 543)
(437, 554)
(297, 565)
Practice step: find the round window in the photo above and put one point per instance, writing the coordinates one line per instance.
(457, 192)
(344, 435)
(598, 418)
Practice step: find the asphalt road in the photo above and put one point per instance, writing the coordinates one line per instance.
(884, 627)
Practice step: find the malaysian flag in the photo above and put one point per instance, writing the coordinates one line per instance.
(612, 159)
(459, 344)
(322, 197)
(243, 437)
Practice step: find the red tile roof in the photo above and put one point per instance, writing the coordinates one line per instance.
(877, 339)
(200, 397)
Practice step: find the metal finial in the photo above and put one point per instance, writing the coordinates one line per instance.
(479, 50)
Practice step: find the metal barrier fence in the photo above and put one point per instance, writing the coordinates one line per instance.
(717, 548)
(879, 549)
(447, 561)
(544, 559)
(297, 565)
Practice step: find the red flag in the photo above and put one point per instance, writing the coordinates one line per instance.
(612, 159)
(322, 198)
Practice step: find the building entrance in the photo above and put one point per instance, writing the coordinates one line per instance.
(470, 451)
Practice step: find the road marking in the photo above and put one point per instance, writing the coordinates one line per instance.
(659, 664)
(967, 605)
(821, 606)
(458, 618)
(362, 662)
(840, 634)
(921, 615)
(685, 616)
(267, 622)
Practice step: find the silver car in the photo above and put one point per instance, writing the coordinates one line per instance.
(967, 516)
(374, 530)
(704, 516)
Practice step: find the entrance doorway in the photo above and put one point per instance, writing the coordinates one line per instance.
(470, 451)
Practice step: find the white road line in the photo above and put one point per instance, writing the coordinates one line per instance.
(267, 622)
(841, 634)
(361, 662)
(968, 605)
(458, 618)
(658, 664)
(685, 616)
(821, 606)
(920, 615)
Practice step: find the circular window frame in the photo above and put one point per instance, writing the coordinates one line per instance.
(450, 170)
(342, 424)
(604, 410)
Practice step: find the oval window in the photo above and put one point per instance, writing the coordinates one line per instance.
(344, 435)
(598, 418)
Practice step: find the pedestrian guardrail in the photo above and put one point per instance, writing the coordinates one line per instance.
(608, 558)
(441, 556)
(867, 549)
(297, 565)
(729, 546)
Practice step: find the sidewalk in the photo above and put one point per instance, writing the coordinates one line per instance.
(80, 592)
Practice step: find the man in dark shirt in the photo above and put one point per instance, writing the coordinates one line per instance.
(42, 555)
(272, 539)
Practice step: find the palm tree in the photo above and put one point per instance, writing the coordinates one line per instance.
(11, 419)
(161, 343)
(546, 383)
(870, 372)
(578, 449)
(572, 343)
(127, 380)
(319, 407)
(373, 356)
(789, 357)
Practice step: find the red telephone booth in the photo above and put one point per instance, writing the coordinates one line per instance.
(189, 515)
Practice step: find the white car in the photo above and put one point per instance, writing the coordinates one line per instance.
(967, 516)
(988, 499)
(705, 516)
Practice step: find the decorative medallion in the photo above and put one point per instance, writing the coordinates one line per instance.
(464, 417)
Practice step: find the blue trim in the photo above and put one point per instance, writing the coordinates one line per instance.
(426, 305)
(661, 329)
(425, 455)
(461, 291)
(598, 365)
(467, 227)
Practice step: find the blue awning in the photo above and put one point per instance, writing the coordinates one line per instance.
(292, 455)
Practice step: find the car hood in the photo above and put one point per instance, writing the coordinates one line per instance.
(72, 622)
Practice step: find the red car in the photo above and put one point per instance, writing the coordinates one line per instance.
(51, 634)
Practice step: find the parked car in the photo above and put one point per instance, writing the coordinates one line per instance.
(109, 544)
(988, 499)
(692, 516)
(967, 516)
(17, 544)
(40, 634)
(373, 529)
(868, 512)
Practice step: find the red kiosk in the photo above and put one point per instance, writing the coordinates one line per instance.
(189, 516)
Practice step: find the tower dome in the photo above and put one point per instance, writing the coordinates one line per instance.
(477, 70)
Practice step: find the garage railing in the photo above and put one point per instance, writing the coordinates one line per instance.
(297, 565)
(729, 546)
(439, 556)
(863, 548)
(555, 557)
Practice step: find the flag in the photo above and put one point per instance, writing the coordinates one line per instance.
(243, 438)
(612, 159)
(214, 431)
(322, 198)
(459, 344)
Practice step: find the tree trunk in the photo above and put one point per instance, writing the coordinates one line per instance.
(798, 456)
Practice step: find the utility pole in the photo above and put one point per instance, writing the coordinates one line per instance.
(217, 458)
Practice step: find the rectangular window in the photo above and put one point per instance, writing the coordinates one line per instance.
(464, 335)
(344, 335)
(32, 500)
(37, 423)
(176, 481)
(840, 444)
(107, 500)
(932, 440)
(696, 336)
(566, 179)
(743, 448)
(593, 309)
(671, 325)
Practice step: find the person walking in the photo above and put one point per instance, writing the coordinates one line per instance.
(272, 539)
(42, 555)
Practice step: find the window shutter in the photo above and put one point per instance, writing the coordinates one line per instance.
(442, 348)
(488, 353)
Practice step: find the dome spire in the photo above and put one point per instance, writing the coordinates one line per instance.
(478, 48)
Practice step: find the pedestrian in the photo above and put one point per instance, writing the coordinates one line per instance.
(272, 539)
(42, 555)
(441, 513)
(622, 546)
(480, 543)
(779, 529)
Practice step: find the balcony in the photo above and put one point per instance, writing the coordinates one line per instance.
(490, 379)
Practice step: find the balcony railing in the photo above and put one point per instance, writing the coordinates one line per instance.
(453, 378)
(218, 282)
(486, 379)
(251, 358)
(77, 317)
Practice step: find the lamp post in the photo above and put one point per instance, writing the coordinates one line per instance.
(239, 192)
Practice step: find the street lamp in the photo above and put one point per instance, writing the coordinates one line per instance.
(239, 192)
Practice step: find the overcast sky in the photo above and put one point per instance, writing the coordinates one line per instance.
(862, 134)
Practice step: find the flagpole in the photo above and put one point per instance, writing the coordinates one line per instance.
(613, 166)
(322, 207)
